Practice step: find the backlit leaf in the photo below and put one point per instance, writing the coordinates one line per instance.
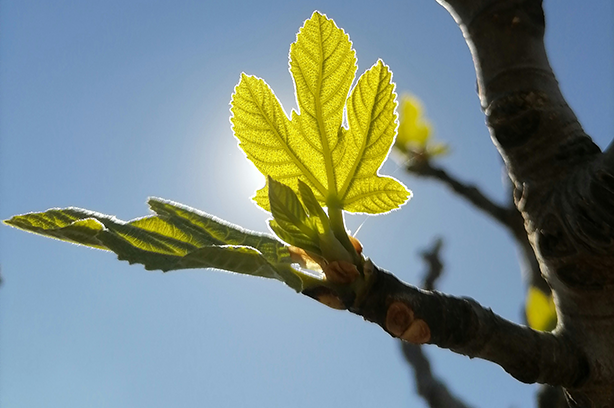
(295, 238)
(176, 237)
(269, 139)
(323, 65)
(289, 215)
(415, 136)
(372, 121)
(414, 129)
(313, 207)
(339, 165)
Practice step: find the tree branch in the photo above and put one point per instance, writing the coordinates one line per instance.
(563, 184)
(465, 327)
(471, 193)
(432, 258)
(509, 217)
(433, 390)
(551, 397)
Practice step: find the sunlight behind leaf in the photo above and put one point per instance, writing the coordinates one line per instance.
(339, 165)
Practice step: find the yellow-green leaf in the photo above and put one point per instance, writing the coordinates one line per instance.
(375, 194)
(176, 237)
(414, 129)
(372, 122)
(323, 65)
(540, 310)
(312, 205)
(289, 214)
(339, 165)
(415, 138)
(270, 140)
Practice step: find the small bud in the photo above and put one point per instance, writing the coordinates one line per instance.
(399, 318)
(356, 244)
(417, 333)
(332, 249)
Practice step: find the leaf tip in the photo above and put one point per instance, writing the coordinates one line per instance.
(9, 222)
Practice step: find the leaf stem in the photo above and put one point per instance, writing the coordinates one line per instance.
(335, 214)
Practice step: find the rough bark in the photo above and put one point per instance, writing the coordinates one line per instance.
(563, 184)
(463, 326)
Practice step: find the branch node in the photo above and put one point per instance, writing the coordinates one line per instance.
(418, 332)
(399, 318)
(341, 272)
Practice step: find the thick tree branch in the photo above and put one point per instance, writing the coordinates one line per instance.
(433, 390)
(463, 326)
(563, 184)
(551, 397)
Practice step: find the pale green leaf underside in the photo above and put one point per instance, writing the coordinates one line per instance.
(175, 237)
(338, 164)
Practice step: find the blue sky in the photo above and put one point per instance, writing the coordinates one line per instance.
(103, 104)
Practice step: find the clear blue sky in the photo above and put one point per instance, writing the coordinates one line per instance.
(104, 103)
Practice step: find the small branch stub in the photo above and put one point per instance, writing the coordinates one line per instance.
(400, 323)
(399, 318)
(417, 333)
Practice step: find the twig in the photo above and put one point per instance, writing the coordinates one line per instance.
(509, 217)
(465, 327)
(435, 267)
(432, 389)
(502, 214)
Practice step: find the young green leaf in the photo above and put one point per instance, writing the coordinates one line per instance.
(314, 209)
(414, 128)
(339, 165)
(176, 237)
(295, 238)
(415, 138)
(289, 215)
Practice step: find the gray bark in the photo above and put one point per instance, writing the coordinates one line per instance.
(563, 184)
